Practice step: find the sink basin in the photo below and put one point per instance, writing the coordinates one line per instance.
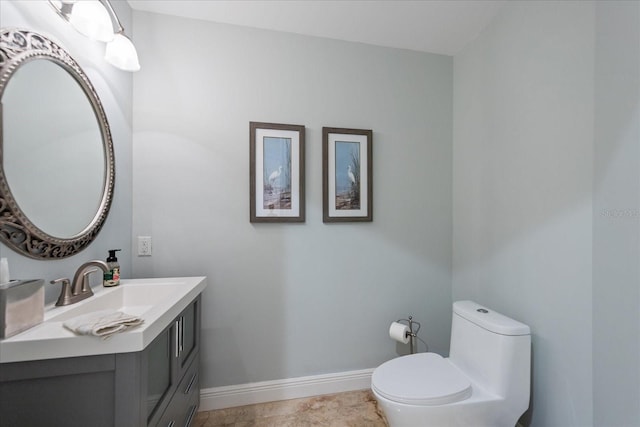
(134, 298)
(157, 301)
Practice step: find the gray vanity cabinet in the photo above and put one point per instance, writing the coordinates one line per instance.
(158, 386)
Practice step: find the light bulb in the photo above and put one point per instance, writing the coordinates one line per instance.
(121, 53)
(90, 18)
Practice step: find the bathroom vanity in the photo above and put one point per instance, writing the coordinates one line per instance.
(147, 376)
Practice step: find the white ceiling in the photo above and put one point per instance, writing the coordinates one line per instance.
(434, 26)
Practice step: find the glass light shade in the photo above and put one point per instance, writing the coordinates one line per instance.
(91, 18)
(121, 53)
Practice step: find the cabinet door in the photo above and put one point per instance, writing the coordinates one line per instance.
(160, 371)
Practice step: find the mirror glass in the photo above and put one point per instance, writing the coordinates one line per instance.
(53, 156)
(57, 168)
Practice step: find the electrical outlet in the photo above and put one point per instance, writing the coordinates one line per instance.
(144, 245)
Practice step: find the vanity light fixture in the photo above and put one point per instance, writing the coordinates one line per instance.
(95, 19)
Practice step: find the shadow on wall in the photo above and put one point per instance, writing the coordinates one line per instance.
(526, 418)
(247, 317)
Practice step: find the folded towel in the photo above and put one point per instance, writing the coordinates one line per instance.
(102, 323)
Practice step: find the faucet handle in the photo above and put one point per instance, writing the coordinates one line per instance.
(64, 280)
(86, 287)
(65, 293)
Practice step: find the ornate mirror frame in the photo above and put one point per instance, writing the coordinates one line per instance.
(18, 47)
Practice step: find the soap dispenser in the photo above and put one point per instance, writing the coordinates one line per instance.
(112, 277)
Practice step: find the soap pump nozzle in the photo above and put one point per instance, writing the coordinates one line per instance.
(112, 255)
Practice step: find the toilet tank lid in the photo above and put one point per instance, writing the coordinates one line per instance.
(489, 319)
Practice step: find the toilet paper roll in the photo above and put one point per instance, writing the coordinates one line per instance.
(399, 332)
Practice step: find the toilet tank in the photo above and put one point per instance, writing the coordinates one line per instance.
(493, 350)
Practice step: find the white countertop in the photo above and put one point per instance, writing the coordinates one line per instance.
(157, 301)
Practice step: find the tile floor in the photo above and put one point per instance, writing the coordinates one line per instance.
(351, 409)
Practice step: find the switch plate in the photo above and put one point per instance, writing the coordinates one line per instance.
(144, 245)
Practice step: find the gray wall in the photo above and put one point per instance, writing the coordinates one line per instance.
(114, 88)
(616, 216)
(288, 300)
(546, 198)
(522, 190)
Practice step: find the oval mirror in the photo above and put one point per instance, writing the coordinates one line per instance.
(57, 165)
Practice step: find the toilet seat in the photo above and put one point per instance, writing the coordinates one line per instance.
(420, 379)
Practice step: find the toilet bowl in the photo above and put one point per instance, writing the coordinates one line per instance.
(485, 381)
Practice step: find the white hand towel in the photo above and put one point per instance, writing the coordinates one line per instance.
(102, 323)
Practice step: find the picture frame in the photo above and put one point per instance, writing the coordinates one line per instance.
(347, 175)
(276, 172)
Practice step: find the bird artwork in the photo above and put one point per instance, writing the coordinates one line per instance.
(352, 178)
(274, 176)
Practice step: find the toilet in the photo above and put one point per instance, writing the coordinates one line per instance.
(485, 381)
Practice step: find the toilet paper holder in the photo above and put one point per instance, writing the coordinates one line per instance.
(413, 335)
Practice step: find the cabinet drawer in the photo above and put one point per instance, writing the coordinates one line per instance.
(185, 402)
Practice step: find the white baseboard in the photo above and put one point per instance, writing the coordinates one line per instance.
(289, 388)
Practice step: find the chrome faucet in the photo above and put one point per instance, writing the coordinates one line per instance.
(81, 288)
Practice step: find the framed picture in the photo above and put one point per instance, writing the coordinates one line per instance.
(276, 172)
(347, 183)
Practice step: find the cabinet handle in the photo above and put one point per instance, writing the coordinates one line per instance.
(191, 414)
(191, 381)
(177, 338)
(181, 334)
